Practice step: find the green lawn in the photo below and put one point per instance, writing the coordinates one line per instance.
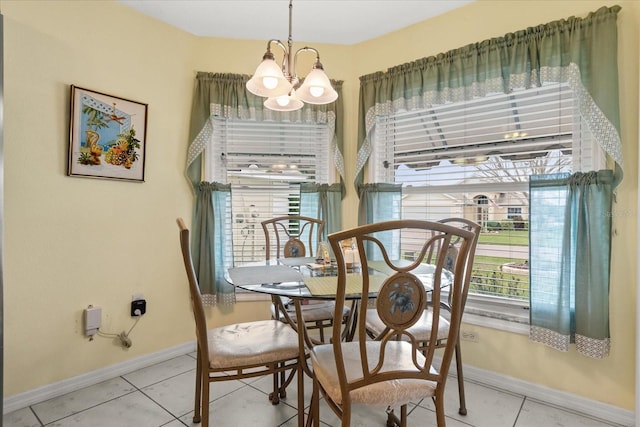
(489, 279)
(505, 237)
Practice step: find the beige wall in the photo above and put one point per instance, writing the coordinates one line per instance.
(71, 242)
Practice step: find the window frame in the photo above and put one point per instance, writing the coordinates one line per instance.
(484, 308)
(220, 165)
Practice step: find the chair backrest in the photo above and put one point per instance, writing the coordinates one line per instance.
(405, 286)
(475, 228)
(292, 236)
(194, 290)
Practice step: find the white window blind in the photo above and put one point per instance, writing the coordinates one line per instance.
(473, 159)
(265, 162)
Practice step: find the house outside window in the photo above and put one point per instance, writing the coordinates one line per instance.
(482, 211)
(473, 160)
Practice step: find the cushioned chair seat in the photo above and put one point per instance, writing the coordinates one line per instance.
(421, 330)
(251, 344)
(387, 393)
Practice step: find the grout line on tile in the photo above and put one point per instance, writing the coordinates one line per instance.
(515, 422)
(176, 416)
(35, 415)
(88, 408)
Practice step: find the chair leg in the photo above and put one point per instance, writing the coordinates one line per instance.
(300, 375)
(438, 401)
(314, 411)
(320, 329)
(205, 399)
(463, 404)
(392, 419)
(274, 396)
(403, 415)
(345, 417)
(282, 386)
(198, 395)
(286, 379)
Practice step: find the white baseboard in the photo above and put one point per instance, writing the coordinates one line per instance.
(40, 394)
(551, 396)
(541, 393)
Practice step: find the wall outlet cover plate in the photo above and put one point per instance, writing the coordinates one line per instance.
(138, 307)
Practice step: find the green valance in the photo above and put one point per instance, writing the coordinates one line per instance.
(225, 95)
(579, 51)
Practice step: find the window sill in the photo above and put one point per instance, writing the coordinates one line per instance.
(496, 315)
(493, 323)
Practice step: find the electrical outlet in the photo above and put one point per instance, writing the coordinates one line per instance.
(138, 305)
(469, 336)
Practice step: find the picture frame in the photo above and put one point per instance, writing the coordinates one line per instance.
(108, 136)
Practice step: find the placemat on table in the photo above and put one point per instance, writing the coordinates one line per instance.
(263, 274)
(327, 285)
(296, 260)
(383, 267)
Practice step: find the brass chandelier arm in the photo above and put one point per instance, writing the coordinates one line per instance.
(285, 59)
(291, 73)
(280, 83)
(317, 64)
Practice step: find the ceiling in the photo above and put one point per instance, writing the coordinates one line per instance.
(343, 22)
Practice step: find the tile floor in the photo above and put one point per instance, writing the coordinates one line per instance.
(162, 395)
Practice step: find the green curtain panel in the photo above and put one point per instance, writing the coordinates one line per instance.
(211, 257)
(381, 202)
(579, 51)
(569, 276)
(225, 95)
(322, 201)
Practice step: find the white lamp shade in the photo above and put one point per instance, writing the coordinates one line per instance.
(284, 103)
(268, 80)
(316, 88)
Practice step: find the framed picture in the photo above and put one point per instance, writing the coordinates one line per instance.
(107, 136)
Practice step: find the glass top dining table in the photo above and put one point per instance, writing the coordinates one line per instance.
(308, 278)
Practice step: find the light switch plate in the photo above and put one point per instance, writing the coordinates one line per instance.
(92, 320)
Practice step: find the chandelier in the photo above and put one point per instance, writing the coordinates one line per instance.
(281, 85)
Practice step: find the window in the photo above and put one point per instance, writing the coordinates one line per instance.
(473, 159)
(514, 213)
(265, 162)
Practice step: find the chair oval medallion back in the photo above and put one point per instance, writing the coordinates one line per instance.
(291, 236)
(401, 300)
(294, 248)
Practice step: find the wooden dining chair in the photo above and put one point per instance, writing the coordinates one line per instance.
(422, 328)
(389, 372)
(296, 236)
(237, 351)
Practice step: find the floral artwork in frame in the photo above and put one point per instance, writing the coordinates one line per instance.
(107, 136)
